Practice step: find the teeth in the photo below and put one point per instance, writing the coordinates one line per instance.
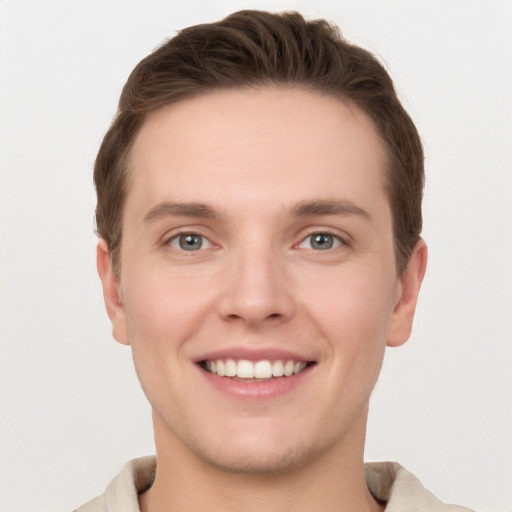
(277, 369)
(244, 369)
(263, 370)
(220, 368)
(298, 367)
(288, 368)
(231, 367)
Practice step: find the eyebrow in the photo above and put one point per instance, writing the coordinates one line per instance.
(328, 207)
(301, 209)
(172, 209)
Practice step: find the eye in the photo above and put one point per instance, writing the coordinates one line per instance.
(189, 242)
(321, 242)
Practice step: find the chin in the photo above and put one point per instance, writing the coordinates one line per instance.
(262, 449)
(256, 459)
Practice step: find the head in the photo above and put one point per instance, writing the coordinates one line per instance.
(253, 49)
(259, 204)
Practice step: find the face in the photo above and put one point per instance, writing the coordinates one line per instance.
(258, 286)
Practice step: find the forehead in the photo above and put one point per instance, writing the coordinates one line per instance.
(253, 143)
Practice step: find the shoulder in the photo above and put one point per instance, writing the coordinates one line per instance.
(402, 491)
(123, 491)
(95, 505)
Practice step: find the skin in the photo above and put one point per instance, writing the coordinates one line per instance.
(253, 157)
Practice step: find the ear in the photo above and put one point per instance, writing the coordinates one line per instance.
(407, 296)
(111, 293)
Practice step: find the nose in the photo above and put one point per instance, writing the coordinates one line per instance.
(256, 289)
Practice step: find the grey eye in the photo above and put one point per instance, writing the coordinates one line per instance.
(321, 242)
(189, 242)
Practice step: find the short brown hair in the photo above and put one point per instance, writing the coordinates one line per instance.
(256, 48)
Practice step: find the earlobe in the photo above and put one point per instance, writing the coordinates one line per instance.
(111, 293)
(408, 291)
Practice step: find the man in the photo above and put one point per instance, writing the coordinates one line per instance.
(259, 214)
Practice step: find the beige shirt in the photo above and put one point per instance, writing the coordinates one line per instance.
(387, 481)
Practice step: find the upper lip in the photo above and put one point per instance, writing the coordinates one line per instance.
(253, 354)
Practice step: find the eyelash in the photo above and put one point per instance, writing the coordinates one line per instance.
(177, 240)
(336, 240)
(179, 237)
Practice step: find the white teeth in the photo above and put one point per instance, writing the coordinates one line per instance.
(220, 368)
(263, 370)
(288, 368)
(245, 369)
(298, 367)
(230, 368)
(277, 369)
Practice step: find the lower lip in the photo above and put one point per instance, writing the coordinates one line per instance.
(253, 390)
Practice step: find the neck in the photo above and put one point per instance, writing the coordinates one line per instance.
(332, 482)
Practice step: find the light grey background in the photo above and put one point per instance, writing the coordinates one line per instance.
(71, 409)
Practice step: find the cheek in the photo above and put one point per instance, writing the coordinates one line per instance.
(159, 318)
(164, 311)
(353, 310)
(161, 306)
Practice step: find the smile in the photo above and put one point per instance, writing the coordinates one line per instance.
(256, 370)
